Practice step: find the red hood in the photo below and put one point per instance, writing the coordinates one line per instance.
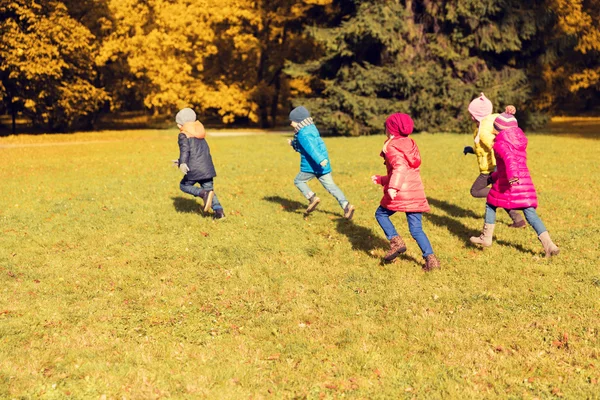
(407, 147)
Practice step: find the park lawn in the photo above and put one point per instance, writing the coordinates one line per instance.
(113, 285)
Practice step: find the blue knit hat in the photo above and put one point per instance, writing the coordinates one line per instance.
(185, 115)
(299, 114)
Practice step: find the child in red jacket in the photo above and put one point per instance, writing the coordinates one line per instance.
(403, 189)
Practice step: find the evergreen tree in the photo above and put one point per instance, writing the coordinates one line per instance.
(425, 58)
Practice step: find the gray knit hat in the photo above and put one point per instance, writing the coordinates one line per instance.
(299, 114)
(185, 115)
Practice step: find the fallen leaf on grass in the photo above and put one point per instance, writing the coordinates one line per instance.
(273, 357)
(331, 386)
(562, 342)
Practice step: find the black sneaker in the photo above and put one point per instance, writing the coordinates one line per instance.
(207, 197)
(313, 202)
(219, 214)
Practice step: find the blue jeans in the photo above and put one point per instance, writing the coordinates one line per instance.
(415, 226)
(326, 180)
(188, 186)
(530, 215)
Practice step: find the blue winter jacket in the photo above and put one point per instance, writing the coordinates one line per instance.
(307, 141)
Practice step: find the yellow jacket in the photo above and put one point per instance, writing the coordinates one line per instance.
(484, 146)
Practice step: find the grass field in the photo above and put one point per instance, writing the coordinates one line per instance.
(114, 286)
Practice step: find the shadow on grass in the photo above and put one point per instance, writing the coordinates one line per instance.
(455, 227)
(463, 232)
(287, 204)
(516, 246)
(294, 206)
(184, 205)
(452, 209)
(361, 238)
(365, 240)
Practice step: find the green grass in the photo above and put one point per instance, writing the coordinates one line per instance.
(112, 285)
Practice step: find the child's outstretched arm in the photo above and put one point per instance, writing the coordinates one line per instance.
(399, 169)
(380, 179)
(184, 153)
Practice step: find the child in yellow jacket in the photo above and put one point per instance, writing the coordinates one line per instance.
(481, 112)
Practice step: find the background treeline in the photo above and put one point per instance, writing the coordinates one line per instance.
(64, 64)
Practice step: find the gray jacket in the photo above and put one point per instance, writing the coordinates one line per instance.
(196, 154)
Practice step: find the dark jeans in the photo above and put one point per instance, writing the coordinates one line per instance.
(480, 190)
(188, 186)
(415, 226)
(480, 187)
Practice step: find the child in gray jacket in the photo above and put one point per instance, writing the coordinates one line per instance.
(195, 161)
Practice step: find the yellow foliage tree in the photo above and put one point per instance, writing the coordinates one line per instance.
(220, 56)
(46, 63)
(576, 67)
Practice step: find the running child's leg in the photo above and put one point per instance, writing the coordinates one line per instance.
(415, 226)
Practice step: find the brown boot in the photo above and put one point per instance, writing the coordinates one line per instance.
(397, 247)
(431, 263)
(485, 239)
(517, 218)
(549, 247)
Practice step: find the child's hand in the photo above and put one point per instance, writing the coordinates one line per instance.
(175, 163)
(324, 163)
(290, 142)
(392, 193)
(184, 168)
(376, 179)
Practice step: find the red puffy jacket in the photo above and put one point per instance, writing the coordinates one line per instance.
(511, 163)
(402, 160)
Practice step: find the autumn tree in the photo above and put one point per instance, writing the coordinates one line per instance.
(46, 64)
(571, 55)
(223, 57)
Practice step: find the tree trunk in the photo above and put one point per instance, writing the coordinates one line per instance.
(13, 111)
(262, 100)
(277, 84)
(275, 99)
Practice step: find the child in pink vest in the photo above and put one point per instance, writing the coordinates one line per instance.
(512, 187)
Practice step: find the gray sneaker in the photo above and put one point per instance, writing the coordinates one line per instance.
(349, 211)
(313, 203)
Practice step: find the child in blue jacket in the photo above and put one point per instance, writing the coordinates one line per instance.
(314, 161)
